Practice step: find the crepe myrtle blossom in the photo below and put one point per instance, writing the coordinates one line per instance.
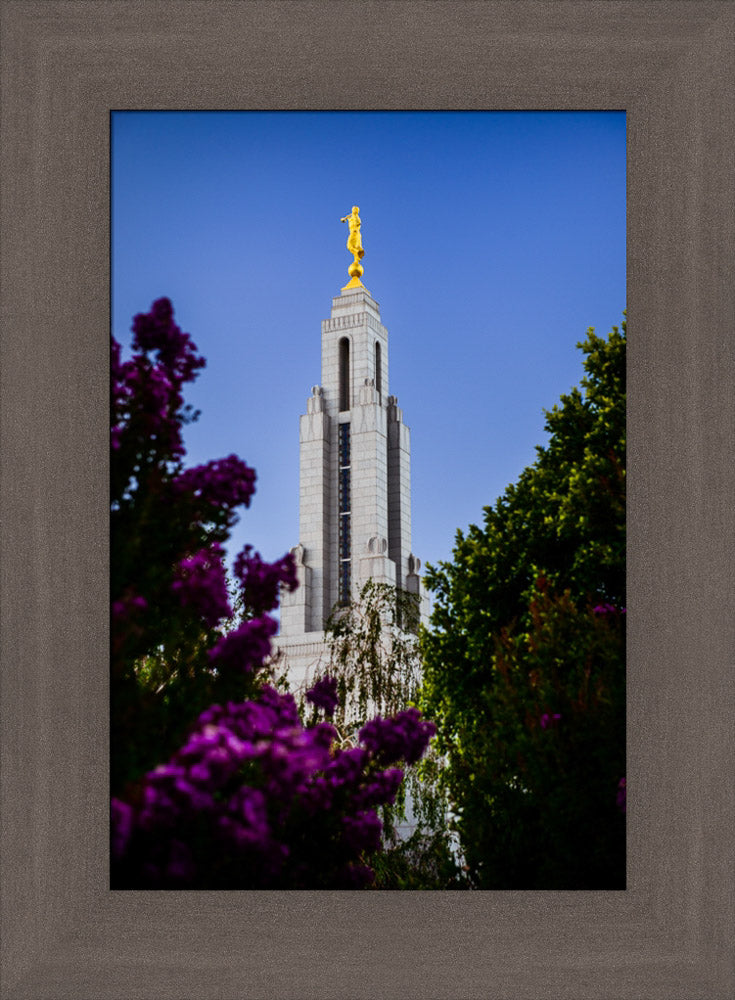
(324, 694)
(201, 583)
(261, 582)
(128, 606)
(224, 482)
(403, 737)
(145, 403)
(156, 331)
(148, 414)
(255, 800)
(146, 396)
(245, 647)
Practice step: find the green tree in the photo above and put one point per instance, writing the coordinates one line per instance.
(524, 663)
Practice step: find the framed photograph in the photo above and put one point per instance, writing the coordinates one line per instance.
(66, 67)
(483, 278)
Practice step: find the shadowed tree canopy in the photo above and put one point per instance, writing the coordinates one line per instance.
(524, 662)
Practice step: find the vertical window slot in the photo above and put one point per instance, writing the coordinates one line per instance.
(344, 374)
(345, 527)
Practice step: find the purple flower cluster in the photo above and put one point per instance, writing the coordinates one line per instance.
(146, 393)
(607, 609)
(245, 647)
(144, 404)
(156, 331)
(362, 831)
(324, 694)
(382, 788)
(204, 786)
(253, 800)
(201, 583)
(403, 737)
(261, 582)
(127, 607)
(225, 482)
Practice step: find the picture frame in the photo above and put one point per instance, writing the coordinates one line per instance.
(66, 65)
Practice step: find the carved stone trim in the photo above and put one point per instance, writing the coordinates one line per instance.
(350, 322)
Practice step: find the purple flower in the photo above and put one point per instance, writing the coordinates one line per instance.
(145, 404)
(122, 822)
(362, 832)
(358, 876)
(324, 694)
(347, 766)
(127, 607)
(324, 734)
(201, 584)
(156, 331)
(225, 482)
(232, 802)
(281, 706)
(382, 788)
(405, 736)
(248, 816)
(317, 796)
(146, 390)
(291, 759)
(261, 582)
(180, 867)
(245, 647)
(169, 789)
(252, 720)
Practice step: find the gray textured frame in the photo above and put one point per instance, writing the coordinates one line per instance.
(65, 65)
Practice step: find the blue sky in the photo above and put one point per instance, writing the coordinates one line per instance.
(493, 240)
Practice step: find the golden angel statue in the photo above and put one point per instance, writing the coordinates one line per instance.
(354, 245)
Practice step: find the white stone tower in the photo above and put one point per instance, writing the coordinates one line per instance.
(355, 479)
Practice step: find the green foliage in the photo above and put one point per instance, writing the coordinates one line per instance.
(515, 641)
(156, 696)
(373, 653)
(424, 861)
(374, 656)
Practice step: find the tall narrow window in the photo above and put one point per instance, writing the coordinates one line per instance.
(378, 369)
(345, 540)
(344, 374)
